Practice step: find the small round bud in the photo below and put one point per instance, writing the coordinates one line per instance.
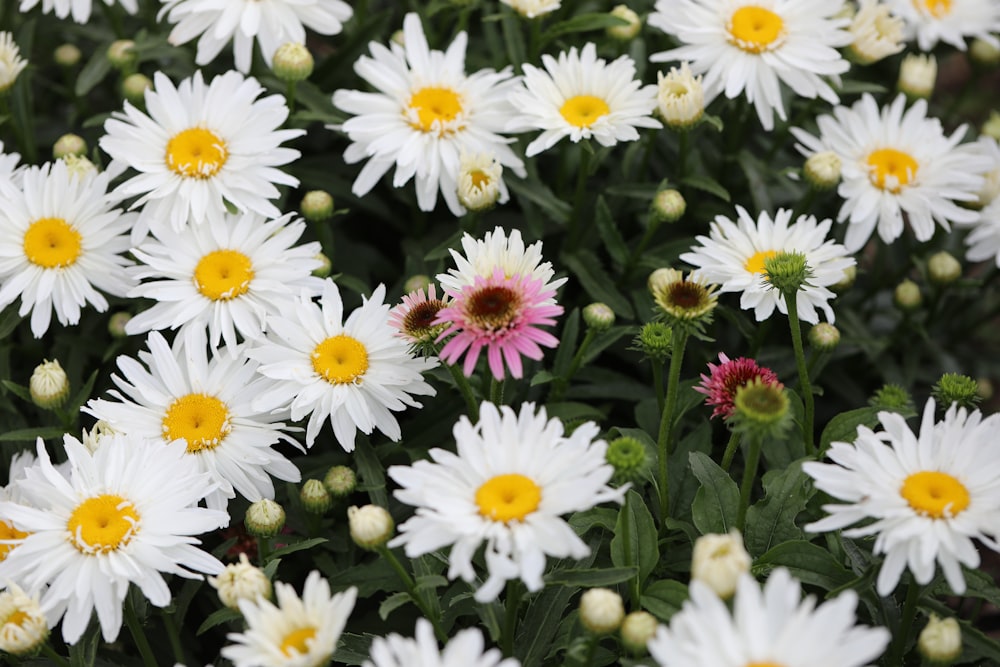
(907, 295)
(668, 206)
(917, 75)
(69, 144)
(984, 387)
(23, 628)
(628, 457)
(122, 55)
(940, 641)
(956, 388)
(292, 62)
(599, 317)
(325, 267)
(265, 518)
(479, 178)
(79, 166)
(417, 282)
(761, 408)
(314, 496)
(991, 128)
(636, 631)
(943, 268)
(371, 526)
(718, 561)
(655, 341)
(398, 38)
(787, 272)
(317, 206)
(67, 55)
(117, 322)
(601, 610)
(680, 97)
(984, 53)
(893, 398)
(134, 87)
(845, 283)
(630, 29)
(822, 170)
(241, 581)
(824, 336)
(49, 385)
(340, 481)
(92, 439)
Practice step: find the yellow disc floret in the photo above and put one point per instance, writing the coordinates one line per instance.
(584, 110)
(508, 497)
(102, 523)
(9, 532)
(937, 8)
(340, 359)
(756, 262)
(435, 105)
(755, 29)
(223, 274)
(890, 169)
(935, 494)
(51, 243)
(196, 153)
(295, 641)
(199, 419)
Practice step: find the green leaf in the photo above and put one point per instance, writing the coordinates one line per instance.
(643, 548)
(541, 196)
(608, 230)
(664, 598)
(772, 520)
(18, 390)
(298, 546)
(9, 319)
(218, 617)
(567, 344)
(574, 412)
(542, 377)
(513, 40)
(716, 503)
(353, 649)
(645, 191)
(582, 23)
(585, 265)
(93, 72)
(706, 184)
(430, 581)
(74, 405)
(583, 522)
(844, 427)
(607, 576)
(809, 563)
(371, 472)
(392, 603)
(32, 434)
(977, 645)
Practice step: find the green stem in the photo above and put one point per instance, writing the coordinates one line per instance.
(174, 637)
(731, 447)
(141, 643)
(749, 477)
(464, 388)
(290, 97)
(592, 643)
(636, 255)
(664, 439)
(897, 650)
(411, 589)
(633, 583)
(511, 604)
(800, 360)
(683, 141)
(496, 391)
(804, 204)
(560, 385)
(55, 657)
(658, 384)
(263, 550)
(575, 223)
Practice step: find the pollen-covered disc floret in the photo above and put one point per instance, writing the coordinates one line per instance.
(513, 476)
(581, 96)
(769, 627)
(426, 113)
(925, 496)
(949, 21)
(753, 46)
(201, 148)
(726, 377)
(354, 372)
(733, 256)
(182, 394)
(896, 161)
(125, 514)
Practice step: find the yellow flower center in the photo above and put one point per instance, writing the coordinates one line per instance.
(340, 359)
(434, 104)
(9, 532)
(937, 8)
(17, 618)
(480, 179)
(508, 497)
(51, 243)
(756, 262)
(935, 494)
(891, 169)
(222, 275)
(296, 640)
(755, 29)
(493, 307)
(196, 153)
(584, 110)
(765, 664)
(199, 419)
(102, 523)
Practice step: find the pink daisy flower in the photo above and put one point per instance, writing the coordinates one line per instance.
(502, 314)
(415, 319)
(724, 379)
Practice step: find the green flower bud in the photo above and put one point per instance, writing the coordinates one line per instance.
(340, 481)
(314, 496)
(654, 341)
(122, 55)
(601, 610)
(67, 55)
(991, 128)
(845, 283)
(787, 272)
(893, 398)
(628, 457)
(134, 88)
(264, 518)
(907, 295)
(117, 322)
(371, 526)
(317, 206)
(325, 267)
(49, 385)
(822, 170)
(69, 144)
(984, 387)
(984, 53)
(940, 642)
(292, 62)
(956, 388)
(625, 32)
(824, 336)
(417, 282)
(668, 206)
(943, 268)
(599, 317)
(761, 408)
(636, 631)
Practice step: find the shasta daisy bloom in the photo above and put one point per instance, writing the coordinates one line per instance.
(354, 372)
(753, 46)
(202, 148)
(8, 165)
(297, 632)
(11, 64)
(925, 496)
(182, 394)
(581, 96)
(270, 24)
(465, 649)
(984, 239)
(531, 9)
(894, 163)
(426, 113)
(724, 379)
(78, 9)
(60, 242)
(733, 256)
(414, 319)
(876, 33)
(224, 279)
(126, 514)
(513, 476)
(949, 21)
(773, 626)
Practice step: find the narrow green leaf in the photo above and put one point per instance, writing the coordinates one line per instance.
(353, 649)
(596, 282)
(74, 405)
(664, 598)
(582, 23)
(608, 576)
(844, 427)
(93, 72)
(808, 562)
(298, 546)
(218, 617)
(32, 434)
(567, 344)
(513, 39)
(643, 542)
(392, 603)
(541, 196)
(716, 503)
(542, 377)
(9, 319)
(371, 472)
(609, 233)
(706, 184)
(18, 390)
(771, 520)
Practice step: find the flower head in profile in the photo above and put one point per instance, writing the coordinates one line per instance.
(753, 46)
(877, 34)
(896, 164)
(23, 626)
(79, 10)
(581, 96)
(480, 182)
(498, 249)
(508, 484)
(414, 319)
(425, 114)
(11, 62)
(949, 21)
(465, 649)
(726, 377)
(924, 495)
(297, 632)
(769, 626)
(680, 97)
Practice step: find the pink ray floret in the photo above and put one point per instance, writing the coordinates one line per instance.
(725, 378)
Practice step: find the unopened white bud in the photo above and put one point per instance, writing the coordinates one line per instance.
(134, 87)
(241, 581)
(877, 33)
(92, 439)
(847, 281)
(292, 62)
(907, 295)
(943, 268)
(69, 144)
(917, 75)
(67, 55)
(325, 267)
(991, 128)
(637, 629)
(680, 97)
(479, 178)
(601, 610)
(122, 54)
(985, 53)
(371, 526)
(822, 170)
(598, 316)
(264, 518)
(79, 166)
(625, 32)
(49, 385)
(668, 206)
(23, 628)
(718, 561)
(940, 641)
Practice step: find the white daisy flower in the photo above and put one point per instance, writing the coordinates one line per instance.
(226, 278)
(876, 33)
(925, 496)
(513, 477)
(949, 21)
(984, 239)
(581, 96)
(773, 626)
(181, 394)
(894, 163)
(11, 64)
(9, 170)
(127, 513)
(425, 114)
(356, 372)
(79, 9)
(465, 649)
(531, 9)
(733, 256)
(60, 242)
(201, 149)
(271, 24)
(298, 632)
(753, 46)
